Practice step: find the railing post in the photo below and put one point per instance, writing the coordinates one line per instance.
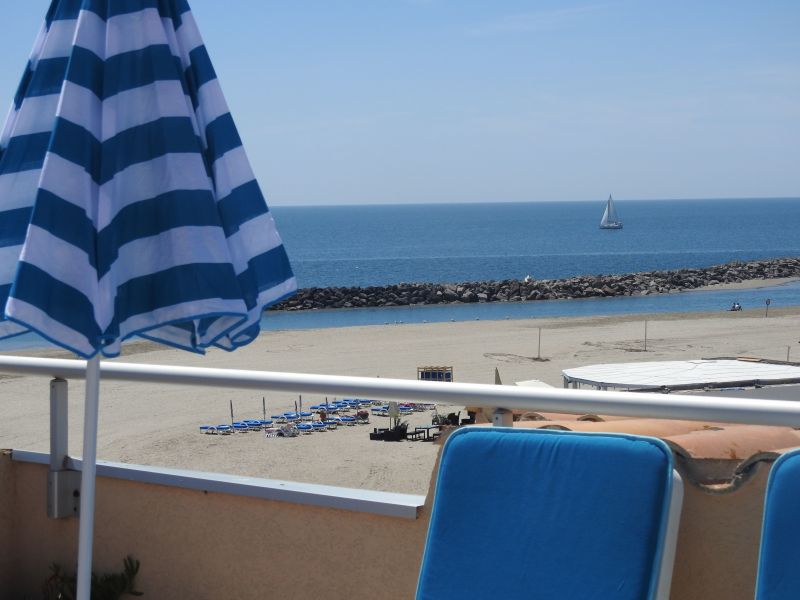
(63, 485)
(59, 432)
(502, 418)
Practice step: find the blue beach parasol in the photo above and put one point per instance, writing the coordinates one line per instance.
(127, 204)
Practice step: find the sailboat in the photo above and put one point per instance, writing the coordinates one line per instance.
(610, 219)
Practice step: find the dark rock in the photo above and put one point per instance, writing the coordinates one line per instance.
(637, 284)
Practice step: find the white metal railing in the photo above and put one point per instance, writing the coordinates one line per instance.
(634, 404)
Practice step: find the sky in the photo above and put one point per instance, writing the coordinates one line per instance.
(418, 101)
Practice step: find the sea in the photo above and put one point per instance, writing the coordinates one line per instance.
(378, 245)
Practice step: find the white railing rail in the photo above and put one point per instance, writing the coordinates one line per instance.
(633, 404)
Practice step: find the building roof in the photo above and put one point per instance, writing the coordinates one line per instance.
(711, 453)
(536, 383)
(684, 374)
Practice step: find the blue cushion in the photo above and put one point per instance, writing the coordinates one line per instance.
(779, 564)
(547, 514)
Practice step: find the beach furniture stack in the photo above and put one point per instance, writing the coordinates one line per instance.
(319, 418)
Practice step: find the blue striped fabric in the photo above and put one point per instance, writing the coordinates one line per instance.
(127, 204)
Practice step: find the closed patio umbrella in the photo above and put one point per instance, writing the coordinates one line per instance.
(127, 204)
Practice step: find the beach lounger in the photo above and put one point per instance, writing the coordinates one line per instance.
(240, 426)
(304, 428)
(253, 424)
(552, 515)
(348, 420)
(779, 561)
(306, 416)
(319, 426)
(331, 424)
(224, 429)
(208, 429)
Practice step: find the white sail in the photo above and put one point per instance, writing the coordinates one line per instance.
(610, 219)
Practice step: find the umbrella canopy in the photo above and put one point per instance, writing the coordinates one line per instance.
(127, 204)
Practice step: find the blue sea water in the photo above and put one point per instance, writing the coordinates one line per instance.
(378, 245)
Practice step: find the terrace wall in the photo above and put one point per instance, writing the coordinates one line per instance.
(8, 539)
(193, 544)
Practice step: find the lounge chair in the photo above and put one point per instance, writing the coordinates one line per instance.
(224, 429)
(304, 428)
(778, 572)
(208, 429)
(552, 515)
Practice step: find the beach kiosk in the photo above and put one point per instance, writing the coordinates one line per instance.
(435, 373)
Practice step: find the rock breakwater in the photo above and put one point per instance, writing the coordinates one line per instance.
(510, 290)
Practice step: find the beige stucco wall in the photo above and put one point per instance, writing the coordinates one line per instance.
(718, 539)
(197, 545)
(202, 545)
(8, 538)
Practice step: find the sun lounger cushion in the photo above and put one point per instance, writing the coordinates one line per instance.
(779, 563)
(548, 515)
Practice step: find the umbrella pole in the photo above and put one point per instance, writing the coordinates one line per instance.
(89, 469)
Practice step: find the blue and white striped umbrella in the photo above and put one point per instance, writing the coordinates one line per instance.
(127, 204)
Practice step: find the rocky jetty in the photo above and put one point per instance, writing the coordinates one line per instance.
(510, 290)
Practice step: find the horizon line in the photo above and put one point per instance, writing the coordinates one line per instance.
(476, 202)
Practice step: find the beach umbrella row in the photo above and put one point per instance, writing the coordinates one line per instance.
(127, 204)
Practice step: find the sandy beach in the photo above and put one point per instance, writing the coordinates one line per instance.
(158, 425)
